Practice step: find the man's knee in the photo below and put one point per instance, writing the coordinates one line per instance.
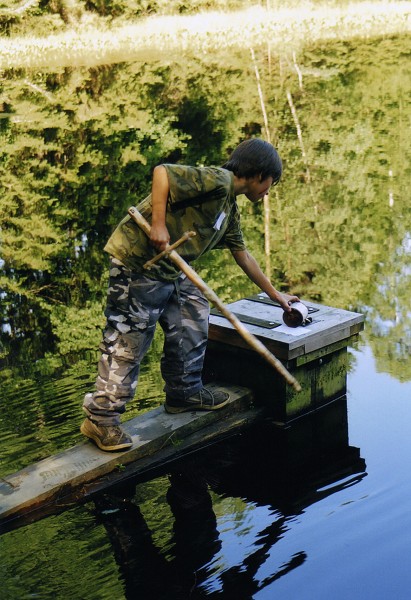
(125, 347)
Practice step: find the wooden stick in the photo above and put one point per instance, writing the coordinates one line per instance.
(215, 300)
(186, 236)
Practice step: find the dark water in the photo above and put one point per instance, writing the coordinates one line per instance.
(255, 516)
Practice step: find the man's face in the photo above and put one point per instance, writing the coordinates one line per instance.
(257, 189)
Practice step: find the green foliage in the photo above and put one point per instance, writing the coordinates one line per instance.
(78, 148)
(79, 145)
(55, 215)
(337, 222)
(76, 328)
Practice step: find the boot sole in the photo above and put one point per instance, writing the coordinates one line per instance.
(92, 436)
(180, 409)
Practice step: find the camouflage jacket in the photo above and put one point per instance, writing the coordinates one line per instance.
(201, 199)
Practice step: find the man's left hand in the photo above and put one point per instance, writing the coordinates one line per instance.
(289, 299)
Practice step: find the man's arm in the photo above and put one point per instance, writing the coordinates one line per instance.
(160, 190)
(252, 269)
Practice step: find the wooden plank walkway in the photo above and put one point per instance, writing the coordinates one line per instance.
(75, 474)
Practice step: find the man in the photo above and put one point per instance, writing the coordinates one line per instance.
(202, 199)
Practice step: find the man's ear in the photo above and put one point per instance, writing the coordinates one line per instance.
(254, 178)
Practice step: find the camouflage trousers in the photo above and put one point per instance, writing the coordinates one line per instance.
(135, 304)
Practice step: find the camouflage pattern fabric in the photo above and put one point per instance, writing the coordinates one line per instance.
(201, 199)
(135, 303)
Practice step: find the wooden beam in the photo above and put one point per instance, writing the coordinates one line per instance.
(73, 475)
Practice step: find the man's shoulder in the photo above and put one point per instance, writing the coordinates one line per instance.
(190, 182)
(198, 173)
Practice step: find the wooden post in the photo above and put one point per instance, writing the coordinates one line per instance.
(215, 300)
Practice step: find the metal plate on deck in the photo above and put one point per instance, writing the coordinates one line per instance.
(249, 320)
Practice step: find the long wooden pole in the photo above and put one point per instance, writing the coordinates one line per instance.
(215, 300)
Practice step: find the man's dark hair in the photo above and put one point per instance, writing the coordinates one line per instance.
(255, 157)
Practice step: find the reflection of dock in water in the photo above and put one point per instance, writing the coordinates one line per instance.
(315, 354)
(264, 467)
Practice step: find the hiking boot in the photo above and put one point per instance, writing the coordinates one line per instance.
(205, 399)
(107, 437)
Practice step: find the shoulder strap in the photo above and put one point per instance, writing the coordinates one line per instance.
(215, 194)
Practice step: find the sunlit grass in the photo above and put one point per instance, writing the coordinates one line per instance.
(172, 36)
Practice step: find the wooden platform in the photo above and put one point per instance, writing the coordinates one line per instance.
(81, 471)
(264, 319)
(315, 354)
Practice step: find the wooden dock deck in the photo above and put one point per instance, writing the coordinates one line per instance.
(295, 346)
(76, 474)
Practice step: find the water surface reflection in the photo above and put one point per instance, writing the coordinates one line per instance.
(258, 476)
(253, 517)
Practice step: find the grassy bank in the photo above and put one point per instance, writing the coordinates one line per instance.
(285, 29)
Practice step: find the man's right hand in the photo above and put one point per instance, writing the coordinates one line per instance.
(159, 237)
